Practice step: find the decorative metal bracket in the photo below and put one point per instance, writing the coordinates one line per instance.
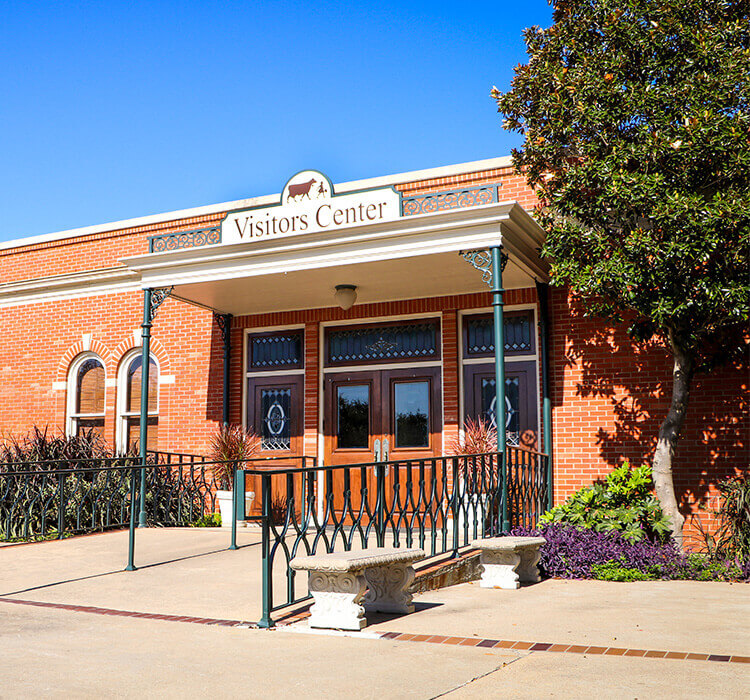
(224, 321)
(157, 299)
(482, 260)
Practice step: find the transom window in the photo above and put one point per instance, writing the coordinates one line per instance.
(383, 343)
(86, 395)
(274, 351)
(479, 338)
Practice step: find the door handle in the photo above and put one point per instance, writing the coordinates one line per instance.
(385, 453)
(377, 450)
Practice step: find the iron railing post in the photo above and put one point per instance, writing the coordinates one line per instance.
(61, 506)
(235, 498)
(131, 530)
(455, 505)
(380, 504)
(266, 563)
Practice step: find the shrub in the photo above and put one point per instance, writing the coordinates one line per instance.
(38, 445)
(580, 553)
(229, 445)
(95, 487)
(622, 503)
(209, 520)
(616, 571)
(732, 539)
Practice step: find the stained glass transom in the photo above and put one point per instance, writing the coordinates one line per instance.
(413, 341)
(276, 427)
(480, 340)
(275, 351)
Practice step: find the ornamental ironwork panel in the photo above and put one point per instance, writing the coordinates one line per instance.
(480, 340)
(404, 342)
(195, 238)
(278, 351)
(276, 426)
(449, 199)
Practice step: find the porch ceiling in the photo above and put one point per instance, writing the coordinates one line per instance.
(442, 274)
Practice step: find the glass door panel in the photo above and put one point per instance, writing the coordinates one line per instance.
(411, 414)
(353, 416)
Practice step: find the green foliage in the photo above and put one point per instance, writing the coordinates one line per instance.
(622, 503)
(208, 520)
(614, 570)
(636, 118)
(732, 539)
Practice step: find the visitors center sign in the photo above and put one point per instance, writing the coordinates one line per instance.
(309, 205)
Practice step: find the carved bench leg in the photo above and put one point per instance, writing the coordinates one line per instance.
(499, 569)
(528, 571)
(389, 588)
(337, 599)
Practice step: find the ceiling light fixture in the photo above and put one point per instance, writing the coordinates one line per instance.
(346, 295)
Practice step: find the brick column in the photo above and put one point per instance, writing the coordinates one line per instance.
(450, 377)
(312, 384)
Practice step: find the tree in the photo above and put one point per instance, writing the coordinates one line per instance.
(637, 140)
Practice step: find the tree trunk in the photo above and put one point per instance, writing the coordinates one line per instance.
(669, 433)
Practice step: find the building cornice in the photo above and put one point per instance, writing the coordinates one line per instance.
(108, 280)
(264, 200)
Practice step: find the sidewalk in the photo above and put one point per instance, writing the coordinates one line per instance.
(464, 641)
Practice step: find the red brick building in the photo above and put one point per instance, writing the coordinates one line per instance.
(315, 371)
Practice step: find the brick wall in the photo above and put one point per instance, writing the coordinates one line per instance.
(609, 396)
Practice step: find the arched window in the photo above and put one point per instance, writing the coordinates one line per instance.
(129, 403)
(86, 395)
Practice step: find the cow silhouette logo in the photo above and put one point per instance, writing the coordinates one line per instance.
(302, 190)
(305, 186)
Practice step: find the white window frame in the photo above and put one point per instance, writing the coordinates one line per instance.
(71, 417)
(122, 395)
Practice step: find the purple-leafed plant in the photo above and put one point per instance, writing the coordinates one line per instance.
(580, 553)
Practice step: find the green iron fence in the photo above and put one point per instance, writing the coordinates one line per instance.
(439, 504)
(48, 499)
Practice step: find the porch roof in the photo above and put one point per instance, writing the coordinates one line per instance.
(412, 257)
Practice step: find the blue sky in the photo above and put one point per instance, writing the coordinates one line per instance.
(112, 110)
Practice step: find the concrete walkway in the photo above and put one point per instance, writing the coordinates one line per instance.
(57, 651)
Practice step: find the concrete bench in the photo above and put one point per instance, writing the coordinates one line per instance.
(344, 585)
(507, 560)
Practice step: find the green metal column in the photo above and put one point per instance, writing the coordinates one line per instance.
(145, 364)
(542, 290)
(498, 263)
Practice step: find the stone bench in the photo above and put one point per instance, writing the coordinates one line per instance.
(507, 560)
(345, 584)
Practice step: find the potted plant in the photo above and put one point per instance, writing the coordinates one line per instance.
(230, 446)
(479, 437)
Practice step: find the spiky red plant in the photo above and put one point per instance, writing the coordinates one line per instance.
(230, 445)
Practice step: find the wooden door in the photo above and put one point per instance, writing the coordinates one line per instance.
(274, 413)
(379, 416)
(521, 423)
(412, 432)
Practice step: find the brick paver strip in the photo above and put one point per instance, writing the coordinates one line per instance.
(409, 637)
